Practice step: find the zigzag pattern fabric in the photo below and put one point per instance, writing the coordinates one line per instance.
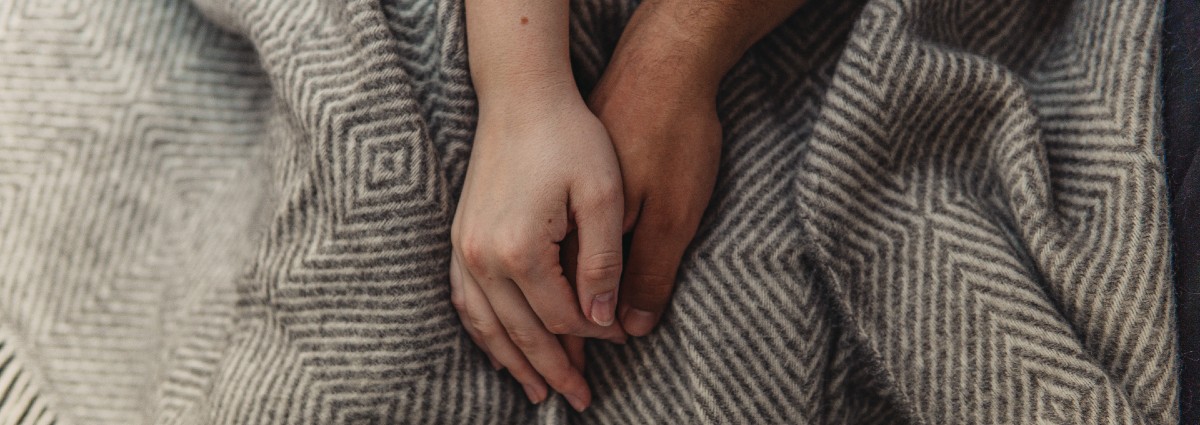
(238, 211)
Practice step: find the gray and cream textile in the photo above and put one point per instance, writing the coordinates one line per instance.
(237, 211)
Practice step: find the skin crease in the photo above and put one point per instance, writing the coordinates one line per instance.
(537, 258)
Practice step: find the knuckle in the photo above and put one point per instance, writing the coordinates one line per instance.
(565, 379)
(514, 257)
(601, 267)
(473, 253)
(563, 327)
(608, 193)
(484, 327)
(673, 224)
(458, 300)
(651, 285)
(523, 337)
(523, 372)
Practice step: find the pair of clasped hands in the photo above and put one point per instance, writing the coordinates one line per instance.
(555, 182)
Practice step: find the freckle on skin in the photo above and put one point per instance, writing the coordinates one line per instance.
(524, 20)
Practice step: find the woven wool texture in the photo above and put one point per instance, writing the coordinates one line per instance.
(238, 211)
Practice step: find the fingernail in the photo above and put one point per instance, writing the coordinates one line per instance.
(602, 308)
(576, 402)
(638, 322)
(535, 396)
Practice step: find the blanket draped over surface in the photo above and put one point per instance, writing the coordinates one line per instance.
(238, 211)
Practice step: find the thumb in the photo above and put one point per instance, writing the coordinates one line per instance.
(598, 273)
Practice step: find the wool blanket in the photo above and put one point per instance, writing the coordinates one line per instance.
(238, 212)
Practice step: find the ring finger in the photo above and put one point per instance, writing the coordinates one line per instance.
(482, 318)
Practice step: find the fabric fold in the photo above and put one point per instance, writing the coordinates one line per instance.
(238, 211)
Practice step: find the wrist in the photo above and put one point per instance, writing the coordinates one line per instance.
(526, 94)
(648, 66)
(523, 111)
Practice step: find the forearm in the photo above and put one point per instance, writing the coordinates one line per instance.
(519, 52)
(702, 39)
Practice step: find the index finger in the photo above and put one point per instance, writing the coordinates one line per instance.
(544, 351)
(554, 300)
(654, 256)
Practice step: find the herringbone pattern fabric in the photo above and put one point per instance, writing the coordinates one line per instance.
(237, 212)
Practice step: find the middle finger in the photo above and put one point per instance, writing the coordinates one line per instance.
(541, 347)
